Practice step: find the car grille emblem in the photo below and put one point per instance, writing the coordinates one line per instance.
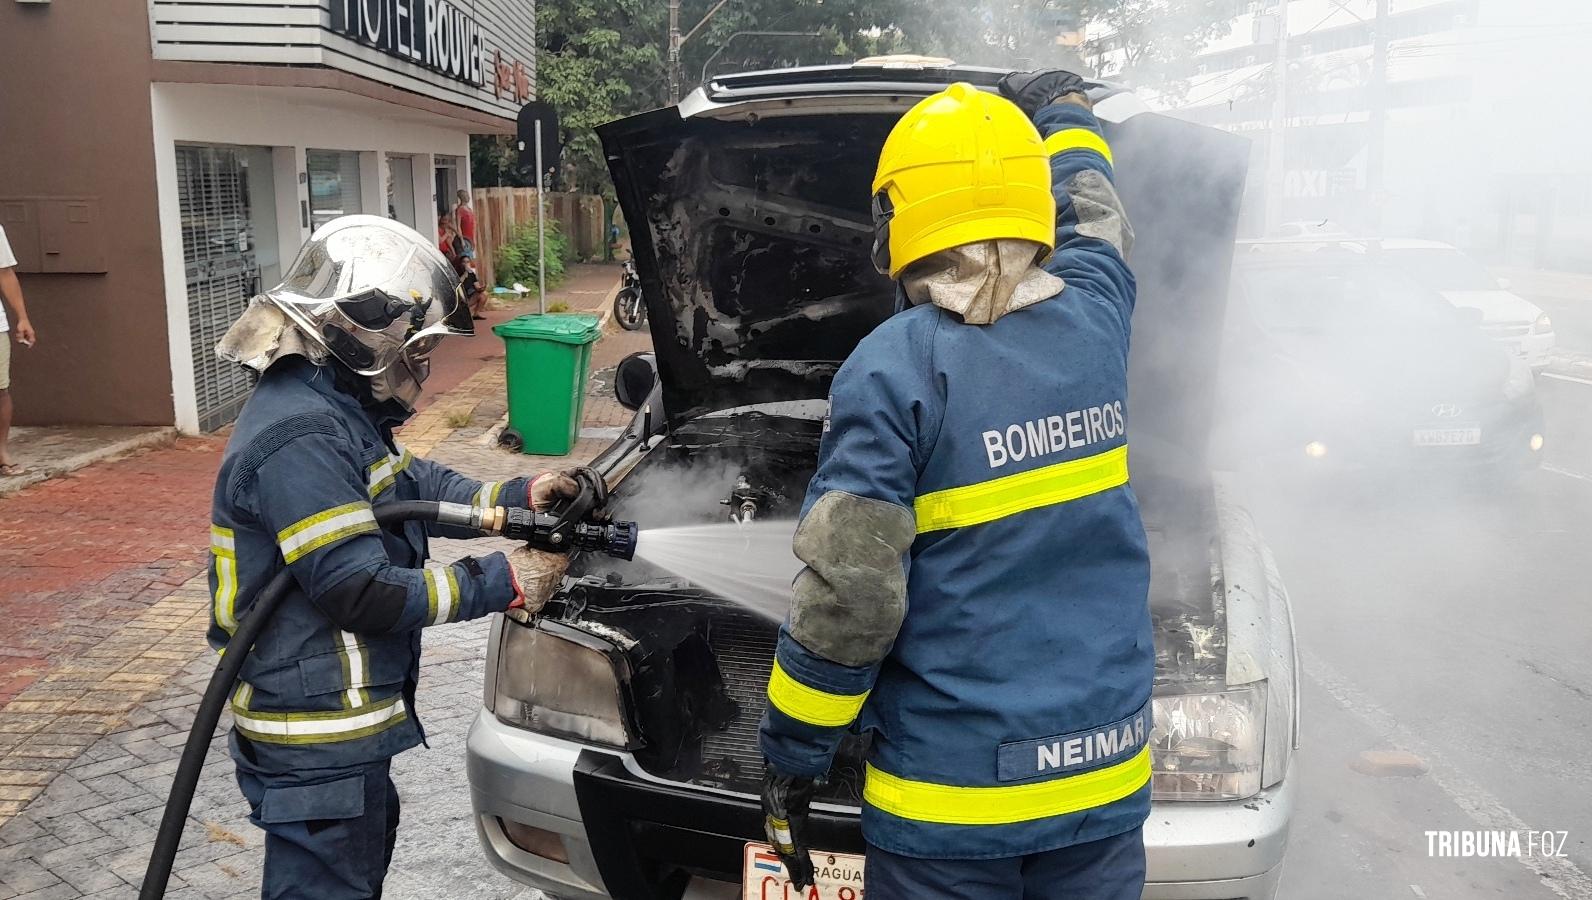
(1446, 411)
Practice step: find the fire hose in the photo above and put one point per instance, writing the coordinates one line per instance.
(577, 524)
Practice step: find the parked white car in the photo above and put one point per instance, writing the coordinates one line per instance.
(1521, 326)
(1517, 323)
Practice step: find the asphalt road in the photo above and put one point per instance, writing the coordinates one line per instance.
(1454, 623)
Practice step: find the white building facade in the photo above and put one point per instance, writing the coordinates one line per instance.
(271, 119)
(167, 158)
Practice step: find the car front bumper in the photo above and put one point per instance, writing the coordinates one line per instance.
(1536, 349)
(523, 777)
(1218, 851)
(631, 836)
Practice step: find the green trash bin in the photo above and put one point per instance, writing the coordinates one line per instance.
(548, 357)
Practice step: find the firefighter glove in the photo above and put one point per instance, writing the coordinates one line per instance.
(548, 488)
(786, 799)
(1033, 91)
(536, 574)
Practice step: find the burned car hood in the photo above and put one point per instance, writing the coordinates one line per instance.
(751, 232)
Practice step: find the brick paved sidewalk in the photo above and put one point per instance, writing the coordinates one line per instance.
(82, 557)
(85, 760)
(46, 453)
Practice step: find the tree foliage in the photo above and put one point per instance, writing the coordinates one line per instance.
(599, 60)
(1159, 39)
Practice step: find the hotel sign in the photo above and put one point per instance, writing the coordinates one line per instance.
(436, 34)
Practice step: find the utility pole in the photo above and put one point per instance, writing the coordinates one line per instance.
(1276, 173)
(674, 51)
(676, 42)
(1376, 132)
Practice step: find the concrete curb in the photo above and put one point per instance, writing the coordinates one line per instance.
(158, 437)
(489, 438)
(607, 309)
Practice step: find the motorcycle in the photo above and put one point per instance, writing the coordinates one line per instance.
(628, 308)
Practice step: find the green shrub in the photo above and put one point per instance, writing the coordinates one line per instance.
(517, 260)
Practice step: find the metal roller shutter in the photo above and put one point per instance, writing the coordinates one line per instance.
(222, 274)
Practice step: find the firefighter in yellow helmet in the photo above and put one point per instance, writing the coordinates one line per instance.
(977, 573)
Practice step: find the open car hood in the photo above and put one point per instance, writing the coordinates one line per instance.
(750, 227)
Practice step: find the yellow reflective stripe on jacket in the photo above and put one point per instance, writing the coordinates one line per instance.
(224, 556)
(947, 804)
(488, 494)
(383, 472)
(442, 594)
(810, 705)
(319, 727)
(1078, 139)
(356, 669)
(314, 532)
(987, 501)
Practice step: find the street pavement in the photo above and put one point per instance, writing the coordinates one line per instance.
(1449, 620)
(81, 557)
(102, 659)
(1450, 624)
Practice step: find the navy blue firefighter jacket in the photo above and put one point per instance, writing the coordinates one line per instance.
(331, 681)
(1010, 713)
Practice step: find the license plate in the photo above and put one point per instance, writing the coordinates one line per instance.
(837, 876)
(1447, 437)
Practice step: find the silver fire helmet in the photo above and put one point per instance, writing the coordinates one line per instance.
(375, 296)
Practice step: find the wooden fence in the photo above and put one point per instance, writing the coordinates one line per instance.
(500, 211)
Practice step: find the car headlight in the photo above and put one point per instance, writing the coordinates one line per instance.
(1208, 746)
(1543, 325)
(560, 681)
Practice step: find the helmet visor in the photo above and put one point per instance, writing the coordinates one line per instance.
(883, 212)
(367, 288)
(373, 310)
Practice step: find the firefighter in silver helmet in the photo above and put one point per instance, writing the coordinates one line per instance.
(326, 699)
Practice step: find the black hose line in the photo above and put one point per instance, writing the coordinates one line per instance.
(208, 716)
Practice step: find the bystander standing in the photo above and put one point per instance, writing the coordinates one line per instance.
(460, 251)
(464, 217)
(11, 295)
(445, 233)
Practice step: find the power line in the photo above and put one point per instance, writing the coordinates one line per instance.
(1266, 70)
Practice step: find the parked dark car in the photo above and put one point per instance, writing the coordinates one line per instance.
(1341, 361)
(616, 755)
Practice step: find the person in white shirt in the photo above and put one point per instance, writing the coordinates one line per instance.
(11, 294)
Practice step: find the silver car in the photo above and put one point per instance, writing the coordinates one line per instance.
(616, 754)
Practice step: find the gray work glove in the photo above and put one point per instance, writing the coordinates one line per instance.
(548, 488)
(537, 574)
(786, 799)
(1033, 91)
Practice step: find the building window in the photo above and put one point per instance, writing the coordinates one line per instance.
(334, 184)
(401, 190)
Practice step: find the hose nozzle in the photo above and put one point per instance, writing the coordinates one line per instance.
(617, 539)
(580, 523)
(546, 532)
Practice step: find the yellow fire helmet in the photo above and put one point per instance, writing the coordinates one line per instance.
(963, 165)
